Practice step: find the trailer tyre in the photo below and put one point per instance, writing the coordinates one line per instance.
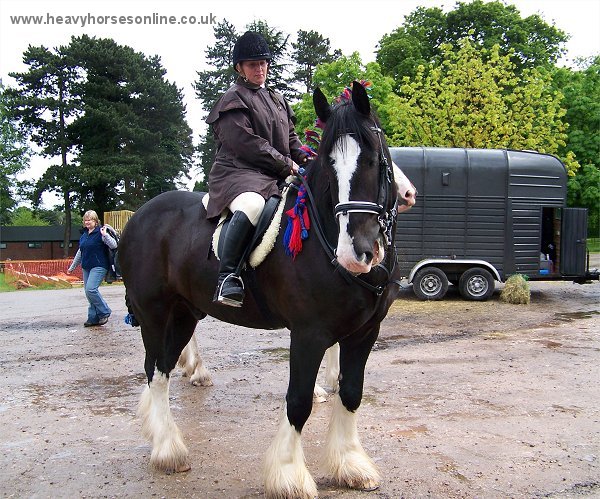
(476, 284)
(430, 283)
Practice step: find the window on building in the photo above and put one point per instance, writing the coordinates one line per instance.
(2, 245)
(35, 245)
(62, 245)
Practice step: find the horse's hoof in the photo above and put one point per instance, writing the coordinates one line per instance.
(183, 468)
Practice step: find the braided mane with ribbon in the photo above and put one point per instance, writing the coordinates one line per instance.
(298, 219)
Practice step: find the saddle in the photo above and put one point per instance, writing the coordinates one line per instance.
(265, 235)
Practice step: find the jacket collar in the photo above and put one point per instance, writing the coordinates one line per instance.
(247, 84)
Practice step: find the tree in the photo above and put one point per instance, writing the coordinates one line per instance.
(27, 217)
(107, 112)
(14, 159)
(310, 50)
(45, 103)
(333, 77)
(530, 41)
(582, 102)
(133, 140)
(475, 98)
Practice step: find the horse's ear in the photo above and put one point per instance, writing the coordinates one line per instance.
(360, 99)
(322, 107)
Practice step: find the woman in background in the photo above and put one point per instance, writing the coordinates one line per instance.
(93, 257)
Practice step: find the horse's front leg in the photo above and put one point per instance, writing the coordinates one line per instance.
(345, 457)
(285, 473)
(192, 365)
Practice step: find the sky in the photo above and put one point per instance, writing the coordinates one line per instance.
(349, 24)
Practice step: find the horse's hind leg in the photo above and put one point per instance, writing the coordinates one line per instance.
(332, 373)
(345, 457)
(192, 365)
(164, 340)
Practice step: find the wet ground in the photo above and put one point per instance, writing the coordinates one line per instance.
(462, 399)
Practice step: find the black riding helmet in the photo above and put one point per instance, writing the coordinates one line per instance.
(250, 47)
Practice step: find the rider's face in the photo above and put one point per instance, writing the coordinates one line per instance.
(254, 71)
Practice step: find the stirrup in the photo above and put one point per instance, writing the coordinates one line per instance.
(225, 300)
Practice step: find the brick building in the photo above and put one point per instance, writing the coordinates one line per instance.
(36, 243)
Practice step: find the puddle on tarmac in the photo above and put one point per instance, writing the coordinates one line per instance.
(575, 316)
(98, 395)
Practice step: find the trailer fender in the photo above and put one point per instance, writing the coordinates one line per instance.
(441, 262)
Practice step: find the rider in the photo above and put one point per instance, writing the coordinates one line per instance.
(256, 146)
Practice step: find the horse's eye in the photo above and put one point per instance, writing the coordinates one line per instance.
(331, 162)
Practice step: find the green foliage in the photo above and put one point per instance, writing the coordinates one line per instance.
(106, 111)
(333, 77)
(310, 50)
(584, 191)
(582, 101)
(24, 216)
(530, 41)
(475, 98)
(14, 159)
(4, 286)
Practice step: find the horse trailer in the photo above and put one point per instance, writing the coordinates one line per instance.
(485, 214)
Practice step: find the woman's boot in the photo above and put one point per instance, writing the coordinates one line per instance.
(230, 287)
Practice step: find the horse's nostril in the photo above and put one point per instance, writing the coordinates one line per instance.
(368, 256)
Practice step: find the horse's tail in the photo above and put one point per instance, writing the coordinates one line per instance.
(130, 317)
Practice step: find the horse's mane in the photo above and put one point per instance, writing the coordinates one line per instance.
(345, 119)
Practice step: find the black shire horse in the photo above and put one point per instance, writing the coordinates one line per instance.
(337, 290)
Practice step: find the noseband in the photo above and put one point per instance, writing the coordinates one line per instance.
(385, 218)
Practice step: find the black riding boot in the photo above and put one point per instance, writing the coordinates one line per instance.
(230, 288)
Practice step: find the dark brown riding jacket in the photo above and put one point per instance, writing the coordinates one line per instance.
(256, 142)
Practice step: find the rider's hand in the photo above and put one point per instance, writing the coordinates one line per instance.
(294, 169)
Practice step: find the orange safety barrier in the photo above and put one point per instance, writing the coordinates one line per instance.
(48, 268)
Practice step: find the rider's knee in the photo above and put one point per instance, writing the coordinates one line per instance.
(251, 203)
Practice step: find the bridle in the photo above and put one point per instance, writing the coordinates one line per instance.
(385, 217)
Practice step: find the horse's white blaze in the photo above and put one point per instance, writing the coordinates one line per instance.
(168, 450)
(192, 365)
(285, 472)
(345, 457)
(345, 154)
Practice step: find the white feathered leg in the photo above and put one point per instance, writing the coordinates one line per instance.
(285, 472)
(345, 458)
(332, 367)
(192, 365)
(332, 373)
(169, 453)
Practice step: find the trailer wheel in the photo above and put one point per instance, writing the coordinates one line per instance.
(430, 283)
(476, 284)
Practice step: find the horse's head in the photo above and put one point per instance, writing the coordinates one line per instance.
(361, 173)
